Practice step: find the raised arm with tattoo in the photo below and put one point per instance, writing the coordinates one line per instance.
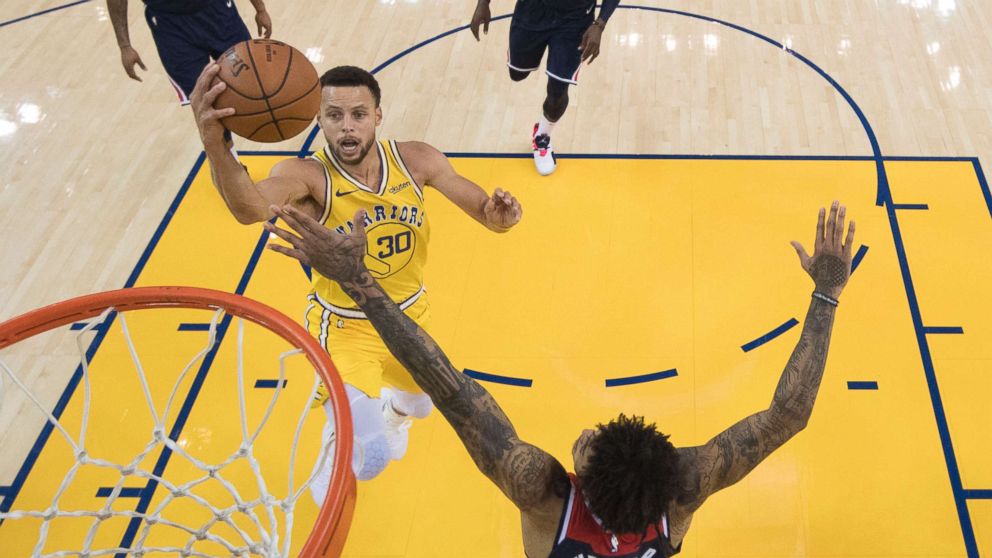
(525, 473)
(733, 453)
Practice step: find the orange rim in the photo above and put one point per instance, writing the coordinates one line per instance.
(331, 527)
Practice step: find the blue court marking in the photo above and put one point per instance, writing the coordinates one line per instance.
(862, 385)
(70, 388)
(82, 325)
(983, 184)
(105, 491)
(270, 383)
(193, 327)
(4, 490)
(497, 379)
(654, 376)
(978, 494)
(858, 256)
(770, 335)
(916, 206)
(42, 12)
(943, 330)
(936, 401)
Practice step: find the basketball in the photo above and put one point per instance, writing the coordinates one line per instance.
(273, 88)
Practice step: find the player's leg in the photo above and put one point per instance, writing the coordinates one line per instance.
(181, 56)
(525, 51)
(223, 27)
(564, 59)
(357, 359)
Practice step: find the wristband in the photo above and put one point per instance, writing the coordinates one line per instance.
(825, 298)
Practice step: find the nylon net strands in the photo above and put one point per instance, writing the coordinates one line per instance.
(188, 440)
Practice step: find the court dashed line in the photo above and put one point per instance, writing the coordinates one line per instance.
(862, 385)
(270, 384)
(497, 379)
(643, 378)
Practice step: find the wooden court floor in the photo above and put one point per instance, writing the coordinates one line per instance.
(660, 245)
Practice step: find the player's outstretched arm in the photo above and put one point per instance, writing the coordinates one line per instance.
(527, 475)
(498, 213)
(733, 453)
(248, 202)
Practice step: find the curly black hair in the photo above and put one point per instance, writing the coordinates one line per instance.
(631, 476)
(351, 76)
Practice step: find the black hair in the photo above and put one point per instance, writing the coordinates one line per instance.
(631, 476)
(352, 76)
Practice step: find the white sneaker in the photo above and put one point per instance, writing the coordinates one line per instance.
(397, 428)
(544, 155)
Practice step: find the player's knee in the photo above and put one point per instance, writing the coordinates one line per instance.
(517, 75)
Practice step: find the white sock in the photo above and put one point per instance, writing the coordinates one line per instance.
(544, 126)
(416, 405)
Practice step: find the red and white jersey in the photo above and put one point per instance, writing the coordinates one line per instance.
(580, 535)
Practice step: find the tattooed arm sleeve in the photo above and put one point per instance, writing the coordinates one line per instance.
(526, 474)
(733, 453)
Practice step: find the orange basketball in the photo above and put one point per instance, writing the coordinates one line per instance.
(273, 88)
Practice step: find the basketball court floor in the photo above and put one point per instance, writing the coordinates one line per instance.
(651, 274)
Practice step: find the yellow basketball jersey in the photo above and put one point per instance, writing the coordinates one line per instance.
(397, 228)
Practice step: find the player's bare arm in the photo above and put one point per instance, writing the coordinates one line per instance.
(292, 181)
(499, 212)
(481, 18)
(262, 19)
(129, 57)
(531, 478)
(593, 36)
(732, 454)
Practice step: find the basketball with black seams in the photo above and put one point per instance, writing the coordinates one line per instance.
(272, 87)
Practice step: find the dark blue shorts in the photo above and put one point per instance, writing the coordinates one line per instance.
(187, 42)
(560, 37)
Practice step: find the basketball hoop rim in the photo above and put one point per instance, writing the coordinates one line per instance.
(339, 502)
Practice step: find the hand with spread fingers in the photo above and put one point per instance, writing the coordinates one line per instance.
(337, 256)
(502, 211)
(830, 265)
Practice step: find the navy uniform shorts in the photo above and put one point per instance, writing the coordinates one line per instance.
(187, 42)
(535, 28)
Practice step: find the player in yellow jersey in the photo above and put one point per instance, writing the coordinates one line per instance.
(386, 179)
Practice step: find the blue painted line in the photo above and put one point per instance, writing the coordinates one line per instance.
(191, 396)
(42, 12)
(911, 206)
(4, 490)
(862, 385)
(78, 326)
(73, 383)
(643, 378)
(271, 384)
(669, 156)
(496, 379)
(983, 184)
(943, 330)
(858, 256)
(978, 494)
(105, 491)
(936, 401)
(193, 327)
(770, 335)
(307, 270)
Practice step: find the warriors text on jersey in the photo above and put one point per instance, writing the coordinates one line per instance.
(396, 226)
(581, 536)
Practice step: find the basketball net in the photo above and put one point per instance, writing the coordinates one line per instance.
(253, 526)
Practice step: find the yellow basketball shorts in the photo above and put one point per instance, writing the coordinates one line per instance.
(358, 352)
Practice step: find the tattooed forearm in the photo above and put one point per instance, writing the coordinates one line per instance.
(739, 449)
(800, 382)
(523, 472)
